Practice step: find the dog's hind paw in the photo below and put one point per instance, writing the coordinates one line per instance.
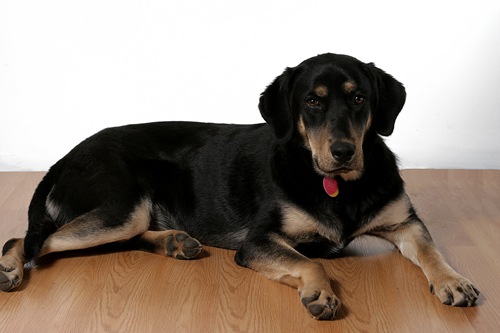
(11, 273)
(455, 291)
(322, 305)
(182, 246)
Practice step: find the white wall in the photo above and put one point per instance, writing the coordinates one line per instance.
(70, 68)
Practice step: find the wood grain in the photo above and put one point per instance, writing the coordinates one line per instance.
(107, 291)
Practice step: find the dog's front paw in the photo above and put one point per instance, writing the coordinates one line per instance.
(182, 246)
(322, 304)
(455, 290)
(11, 273)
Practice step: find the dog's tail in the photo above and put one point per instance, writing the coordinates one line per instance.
(40, 224)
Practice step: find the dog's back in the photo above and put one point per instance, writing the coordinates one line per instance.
(188, 172)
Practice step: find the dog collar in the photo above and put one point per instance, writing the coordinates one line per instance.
(331, 186)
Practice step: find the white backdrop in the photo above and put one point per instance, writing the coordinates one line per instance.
(70, 68)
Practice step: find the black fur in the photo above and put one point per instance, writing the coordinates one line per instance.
(225, 184)
(257, 189)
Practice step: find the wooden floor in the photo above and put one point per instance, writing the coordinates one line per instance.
(104, 291)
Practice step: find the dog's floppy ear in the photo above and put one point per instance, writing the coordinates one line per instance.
(275, 108)
(391, 96)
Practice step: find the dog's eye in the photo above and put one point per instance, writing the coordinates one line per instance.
(358, 99)
(312, 102)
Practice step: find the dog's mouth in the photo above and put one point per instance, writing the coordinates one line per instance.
(347, 172)
(334, 172)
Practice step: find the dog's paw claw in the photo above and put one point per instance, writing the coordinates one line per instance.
(455, 291)
(321, 304)
(11, 273)
(182, 246)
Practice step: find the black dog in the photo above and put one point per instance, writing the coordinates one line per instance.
(313, 178)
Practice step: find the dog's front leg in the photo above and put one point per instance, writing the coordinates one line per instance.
(272, 256)
(415, 243)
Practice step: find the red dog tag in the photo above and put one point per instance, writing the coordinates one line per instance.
(331, 186)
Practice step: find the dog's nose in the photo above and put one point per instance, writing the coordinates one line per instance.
(343, 152)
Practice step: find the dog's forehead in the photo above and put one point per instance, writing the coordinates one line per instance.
(332, 72)
(323, 80)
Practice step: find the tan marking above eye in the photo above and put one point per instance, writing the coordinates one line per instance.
(321, 91)
(349, 86)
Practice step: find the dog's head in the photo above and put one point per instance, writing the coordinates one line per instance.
(330, 102)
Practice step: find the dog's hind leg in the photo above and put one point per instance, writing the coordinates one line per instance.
(97, 227)
(94, 228)
(14, 254)
(173, 243)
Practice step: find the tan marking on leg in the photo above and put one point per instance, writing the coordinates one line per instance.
(415, 243)
(174, 243)
(309, 277)
(294, 270)
(321, 91)
(450, 287)
(12, 266)
(88, 230)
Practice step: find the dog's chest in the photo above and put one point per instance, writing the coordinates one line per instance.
(302, 227)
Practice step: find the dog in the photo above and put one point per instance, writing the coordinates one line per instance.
(305, 183)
